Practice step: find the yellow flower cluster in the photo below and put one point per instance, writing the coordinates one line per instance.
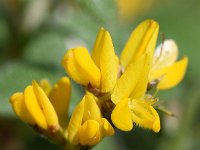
(116, 88)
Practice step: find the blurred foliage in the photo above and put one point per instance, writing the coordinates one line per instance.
(35, 34)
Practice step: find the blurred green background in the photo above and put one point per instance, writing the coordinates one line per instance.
(35, 34)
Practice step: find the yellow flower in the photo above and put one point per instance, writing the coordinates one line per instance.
(129, 93)
(130, 89)
(46, 111)
(86, 126)
(165, 69)
(129, 97)
(98, 70)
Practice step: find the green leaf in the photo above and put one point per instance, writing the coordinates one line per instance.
(46, 48)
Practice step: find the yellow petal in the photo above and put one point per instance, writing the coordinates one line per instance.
(165, 54)
(76, 122)
(106, 127)
(144, 115)
(87, 109)
(156, 124)
(170, 76)
(71, 68)
(141, 87)
(104, 56)
(142, 39)
(45, 85)
(81, 67)
(108, 64)
(91, 109)
(129, 79)
(34, 108)
(18, 105)
(121, 116)
(60, 98)
(89, 133)
(97, 47)
(87, 66)
(46, 106)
